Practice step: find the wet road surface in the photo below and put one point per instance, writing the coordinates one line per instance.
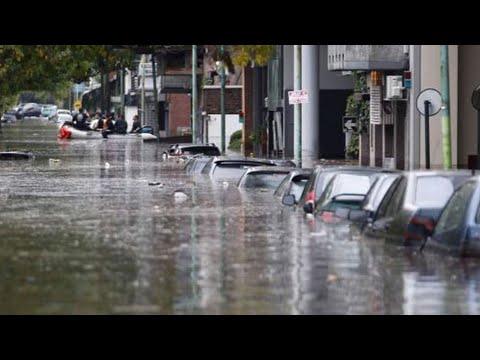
(83, 232)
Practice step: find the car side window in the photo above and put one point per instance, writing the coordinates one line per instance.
(382, 209)
(453, 214)
(396, 202)
(282, 187)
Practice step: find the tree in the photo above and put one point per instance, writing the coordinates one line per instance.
(253, 55)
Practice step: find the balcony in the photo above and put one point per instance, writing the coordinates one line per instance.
(366, 57)
(175, 84)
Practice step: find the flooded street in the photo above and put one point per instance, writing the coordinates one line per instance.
(83, 232)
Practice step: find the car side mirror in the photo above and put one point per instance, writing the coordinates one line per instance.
(357, 215)
(288, 200)
(308, 208)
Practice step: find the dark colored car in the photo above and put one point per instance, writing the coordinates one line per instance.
(190, 149)
(232, 168)
(31, 110)
(291, 188)
(320, 178)
(265, 177)
(196, 164)
(345, 191)
(458, 227)
(412, 205)
(9, 116)
(371, 202)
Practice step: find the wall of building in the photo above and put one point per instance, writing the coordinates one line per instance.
(468, 80)
(232, 124)
(430, 78)
(179, 113)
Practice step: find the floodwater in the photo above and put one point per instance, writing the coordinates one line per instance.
(83, 232)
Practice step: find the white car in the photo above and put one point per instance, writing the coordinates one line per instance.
(63, 115)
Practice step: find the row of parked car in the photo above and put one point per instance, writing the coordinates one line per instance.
(33, 110)
(433, 209)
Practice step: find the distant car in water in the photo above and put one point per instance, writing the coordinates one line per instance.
(290, 189)
(63, 115)
(49, 111)
(232, 168)
(345, 191)
(191, 149)
(196, 164)
(412, 205)
(9, 116)
(31, 110)
(320, 178)
(263, 177)
(458, 227)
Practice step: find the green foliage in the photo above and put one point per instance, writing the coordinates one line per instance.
(244, 55)
(236, 141)
(356, 106)
(55, 67)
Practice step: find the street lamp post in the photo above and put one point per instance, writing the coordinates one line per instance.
(222, 99)
(194, 94)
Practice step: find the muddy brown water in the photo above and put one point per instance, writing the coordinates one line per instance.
(83, 232)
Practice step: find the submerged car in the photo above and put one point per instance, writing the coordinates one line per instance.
(345, 191)
(63, 115)
(232, 168)
(321, 176)
(31, 110)
(458, 227)
(412, 205)
(371, 202)
(191, 149)
(196, 164)
(49, 111)
(291, 188)
(264, 177)
(9, 116)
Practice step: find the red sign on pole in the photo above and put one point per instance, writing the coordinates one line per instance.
(298, 97)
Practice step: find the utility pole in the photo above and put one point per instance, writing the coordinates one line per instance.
(222, 98)
(155, 97)
(445, 91)
(142, 66)
(297, 108)
(194, 94)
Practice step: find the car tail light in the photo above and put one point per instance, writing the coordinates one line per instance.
(310, 196)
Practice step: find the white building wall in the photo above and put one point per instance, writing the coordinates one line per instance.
(232, 124)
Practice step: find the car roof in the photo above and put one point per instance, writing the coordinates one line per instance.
(277, 169)
(221, 159)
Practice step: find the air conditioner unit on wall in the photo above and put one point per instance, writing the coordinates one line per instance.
(394, 87)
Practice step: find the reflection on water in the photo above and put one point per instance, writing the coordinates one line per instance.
(79, 236)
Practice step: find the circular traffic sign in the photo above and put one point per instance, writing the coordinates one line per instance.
(434, 97)
(476, 98)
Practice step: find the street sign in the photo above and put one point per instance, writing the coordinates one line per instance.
(298, 97)
(350, 123)
(77, 104)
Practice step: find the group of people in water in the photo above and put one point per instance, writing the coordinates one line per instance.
(106, 123)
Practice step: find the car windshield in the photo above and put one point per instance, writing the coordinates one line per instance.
(264, 180)
(352, 187)
(63, 112)
(433, 191)
(322, 180)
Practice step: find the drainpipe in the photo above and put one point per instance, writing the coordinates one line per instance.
(194, 94)
(297, 108)
(414, 118)
(445, 91)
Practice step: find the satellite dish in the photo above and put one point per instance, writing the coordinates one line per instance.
(434, 97)
(476, 98)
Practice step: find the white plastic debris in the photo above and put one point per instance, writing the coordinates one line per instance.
(107, 165)
(180, 196)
